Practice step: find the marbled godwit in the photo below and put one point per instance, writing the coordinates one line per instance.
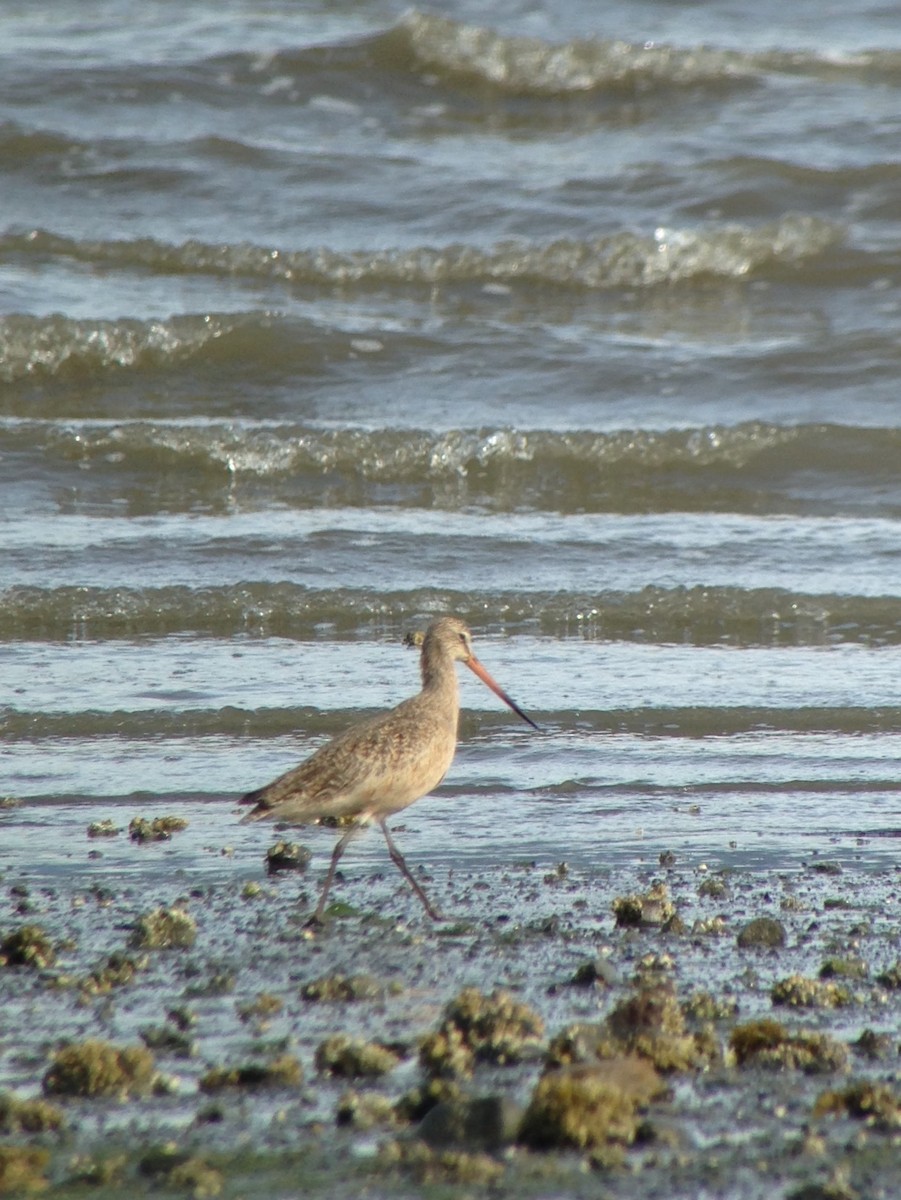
(380, 766)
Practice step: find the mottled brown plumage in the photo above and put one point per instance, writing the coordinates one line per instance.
(380, 766)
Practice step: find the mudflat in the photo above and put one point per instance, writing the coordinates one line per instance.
(651, 1030)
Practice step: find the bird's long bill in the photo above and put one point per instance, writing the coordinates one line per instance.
(476, 667)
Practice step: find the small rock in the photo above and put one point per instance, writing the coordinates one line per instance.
(825, 868)
(595, 971)
(874, 1045)
(287, 856)
(833, 1190)
(764, 932)
(891, 978)
(484, 1123)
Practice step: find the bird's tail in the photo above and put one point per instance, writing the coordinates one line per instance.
(262, 807)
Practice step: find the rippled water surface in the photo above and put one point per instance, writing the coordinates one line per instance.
(582, 323)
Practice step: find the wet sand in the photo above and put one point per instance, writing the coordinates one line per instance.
(240, 1101)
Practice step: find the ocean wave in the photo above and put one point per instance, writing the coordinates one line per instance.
(527, 66)
(21, 146)
(530, 66)
(682, 615)
(59, 346)
(621, 260)
(188, 724)
(754, 466)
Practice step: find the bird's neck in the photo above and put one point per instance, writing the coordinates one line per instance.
(439, 681)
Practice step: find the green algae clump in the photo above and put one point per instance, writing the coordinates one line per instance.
(365, 1110)
(649, 1022)
(413, 1105)
(580, 1042)
(102, 829)
(353, 1058)
(160, 829)
(844, 968)
(341, 988)
(98, 1172)
(495, 1028)
(28, 1116)
(282, 1072)
(23, 1170)
(167, 1039)
(797, 991)
(653, 907)
(702, 1006)
(768, 1044)
(429, 1166)
(287, 856)
(164, 929)
(178, 1170)
(27, 946)
(118, 971)
(891, 977)
(197, 1176)
(590, 1107)
(874, 1103)
(488, 1123)
(94, 1068)
(260, 1009)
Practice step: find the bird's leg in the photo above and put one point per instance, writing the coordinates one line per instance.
(339, 849)
(398, 859)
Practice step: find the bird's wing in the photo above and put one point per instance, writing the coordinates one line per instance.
(380, 763)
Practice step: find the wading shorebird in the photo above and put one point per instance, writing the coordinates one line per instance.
(381, 766)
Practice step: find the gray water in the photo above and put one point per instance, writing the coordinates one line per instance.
(582, 323)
